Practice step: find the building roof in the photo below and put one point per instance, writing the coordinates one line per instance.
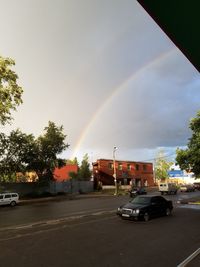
(128, 161)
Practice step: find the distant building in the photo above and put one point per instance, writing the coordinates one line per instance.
(127, 172)
(28, 177)
(63, 173)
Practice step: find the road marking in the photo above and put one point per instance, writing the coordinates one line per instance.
(56, 221)
(72, 216)
(16, 236)
(189, 259)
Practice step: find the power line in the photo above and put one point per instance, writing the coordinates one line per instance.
(167, 156)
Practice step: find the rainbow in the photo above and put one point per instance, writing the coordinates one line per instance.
(115, 92)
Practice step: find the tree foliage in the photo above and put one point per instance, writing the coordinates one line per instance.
(74, 175)
(15, 150)
(162, 166)
(84, 171)
(20, 152)
(189, 159)
(48, 147)
(10, 91)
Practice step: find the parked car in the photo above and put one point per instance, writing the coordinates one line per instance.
(145, 207)
(137, 191)
(9, 199)
(197, 185)
(187, 188)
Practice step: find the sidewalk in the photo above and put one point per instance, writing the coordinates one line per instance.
(99, 194)
(64, 197)
(103, 193)
(191, 200)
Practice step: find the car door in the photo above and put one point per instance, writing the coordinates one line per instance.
(158, 205)
(161, 205)
(7, 199)
(1, 199)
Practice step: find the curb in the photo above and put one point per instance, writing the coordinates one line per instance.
(189, 202)
(63, 198)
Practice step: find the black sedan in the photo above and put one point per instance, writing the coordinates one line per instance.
(145, 207)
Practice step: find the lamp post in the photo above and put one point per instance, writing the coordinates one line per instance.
(114, 170)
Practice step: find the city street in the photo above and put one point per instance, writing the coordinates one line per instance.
(58, 209)
(87, 232)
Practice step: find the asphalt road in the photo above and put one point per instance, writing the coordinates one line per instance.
(48, 211)
(86, 232)
(53, 210)
(104, 240)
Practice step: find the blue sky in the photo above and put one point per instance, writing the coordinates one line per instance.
(102, 69)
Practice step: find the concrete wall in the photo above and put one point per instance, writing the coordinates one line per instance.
(71, 186)
(36, 189)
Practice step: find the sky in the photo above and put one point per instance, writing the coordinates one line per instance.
(105, 71)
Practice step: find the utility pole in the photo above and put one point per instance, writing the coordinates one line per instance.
(114, 171)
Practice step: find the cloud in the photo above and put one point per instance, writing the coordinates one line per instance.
(152, 110)
(102, 69)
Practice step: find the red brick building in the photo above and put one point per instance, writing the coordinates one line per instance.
(63, 173)
(127, 172)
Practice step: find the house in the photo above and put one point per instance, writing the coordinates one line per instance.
(127, 172)
(63, 173)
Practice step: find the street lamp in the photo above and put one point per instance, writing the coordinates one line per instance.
(114, 170)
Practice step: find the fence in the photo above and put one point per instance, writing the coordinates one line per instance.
(37, 189)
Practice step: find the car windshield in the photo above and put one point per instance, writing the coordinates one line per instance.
(141, 200)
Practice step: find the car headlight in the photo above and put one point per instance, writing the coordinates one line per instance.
(119, 209)
(136, 211)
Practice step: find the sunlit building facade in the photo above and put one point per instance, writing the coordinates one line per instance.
(63, 174)
(127, 172)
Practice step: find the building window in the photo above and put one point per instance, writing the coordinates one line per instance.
(128, 167)
(110, 165)
(137, 167)
(120, 166)
(144, 167)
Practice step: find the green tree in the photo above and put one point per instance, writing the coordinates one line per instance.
(14, 153)
(48, 148)
(74, 175)
(162, 166)
(189, 158)
(10, 91)
(20, 152)
(84, 170)
(73, 161)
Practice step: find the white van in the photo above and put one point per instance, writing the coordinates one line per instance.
(167, 188)
(9, 199)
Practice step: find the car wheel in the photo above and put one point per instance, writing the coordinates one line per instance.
(168, 212)
(146, 217)
(13, 203)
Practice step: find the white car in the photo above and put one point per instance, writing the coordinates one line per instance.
(9, 199)
(187, 188)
